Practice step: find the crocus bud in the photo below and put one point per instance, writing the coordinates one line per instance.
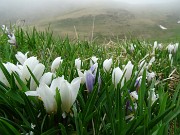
(132, 47)
(78, 63)
(153, 95)
(94, 69)
(116, 76)
(82, 76)
(107, 65)
(128, 70)
(10, 67)
(170, 48)
(55, 64)
(21, 57)
(138, 82)
(90, 80)
(176, 47)
(12, 39)
(93, 60)
(150, 76)
(155, 45)
(31, 62)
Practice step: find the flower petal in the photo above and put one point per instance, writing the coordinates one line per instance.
(48, 98)
(75, 85)
(37, 72)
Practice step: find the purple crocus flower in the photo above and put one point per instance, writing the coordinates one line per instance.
(128, 106)
(94, 69)
(138, 82)
(90, 80)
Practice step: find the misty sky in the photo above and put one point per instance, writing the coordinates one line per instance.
(13, 9)
(43, 2)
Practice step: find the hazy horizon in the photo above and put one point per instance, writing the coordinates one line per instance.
(11, 10)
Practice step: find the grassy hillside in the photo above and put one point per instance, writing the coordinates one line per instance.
(120, 21)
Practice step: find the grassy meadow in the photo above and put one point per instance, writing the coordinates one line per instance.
(125, 87)
(106, 68)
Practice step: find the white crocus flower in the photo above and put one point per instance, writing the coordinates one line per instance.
(116, 76)
(176, 47)
(150, 76)
(153, 95)
(82, 76)
(78, 63)
(31, 62)
(151, 61)
(5, 29)
(21, 57)
(160, 46)
(55, 64)
(68, 91)
(128, 70)
(155, 45)
(170, 48)
(134, 95)
(107, 65)
(47, 95)
(93, 60)
(36, 68)
(37, 72)
(3, 79)
(47, 78)
(10, 67)
(12, 39)
(132, 47)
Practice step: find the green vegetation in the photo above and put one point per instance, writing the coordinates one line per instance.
(108, 108)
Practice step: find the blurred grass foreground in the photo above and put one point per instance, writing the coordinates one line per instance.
(54, 86)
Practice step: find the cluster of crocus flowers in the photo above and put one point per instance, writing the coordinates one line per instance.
(11, 36)
(88, 77)
(47, 84)
(172, 48)
(68, 92)
(157, 46)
